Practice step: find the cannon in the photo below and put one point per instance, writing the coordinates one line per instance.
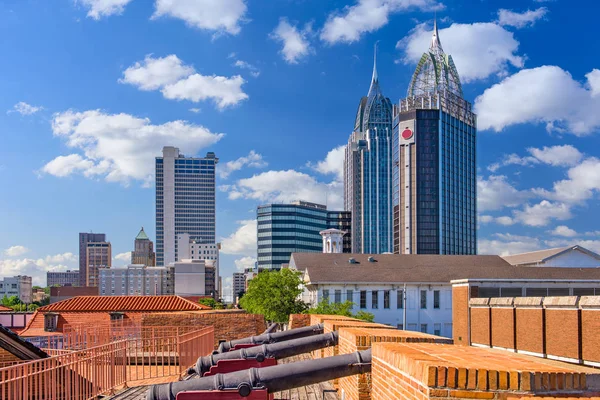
(274, 350)
(271, 328)
(272, 337)
(266, 380)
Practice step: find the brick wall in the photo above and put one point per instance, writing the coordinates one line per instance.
(336, 325)
(460, 315)
(480, 321)
(590, 327)
(562, 326)
(319, 318)
(503, 322)
(6, 357)
(418, 371)
(229, 324)
(298, 321)
(358, 387)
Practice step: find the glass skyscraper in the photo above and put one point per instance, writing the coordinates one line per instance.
(368, 172)
(284, 229)
(434, 169)
(185, 201)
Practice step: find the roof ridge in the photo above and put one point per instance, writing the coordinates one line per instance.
(539, 251)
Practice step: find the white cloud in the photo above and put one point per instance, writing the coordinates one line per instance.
(496, 193)
(286, 186)
(332, 164)
(213, 15)
(366, 16)
(583, 181)
(521, 20)
(104, 8)
(546, 94)
(177, 81)
(506, 244)
(295, 42)
(253, 159)
(24, 108)
(245, 262)
(37, 268)
(123, 258)
(558, 156)
(542, 213)
(485, 219)
(15, 251)
(479, 50)
(242, 241)
(195, 110)
(505, 220)
(563, 230)
(246, 65)
(120, 147)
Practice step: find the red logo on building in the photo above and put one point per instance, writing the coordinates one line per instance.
(407, 134)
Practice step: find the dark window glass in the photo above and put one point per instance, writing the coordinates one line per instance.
(363, 299)
(375, 299)
(423, 299)
(386, 299)
(349, 295)
(489, 292)
(400, 298)
(326, 295)
(583, 291)
(558, 291)
(436, 299)
(511, 292)
(338, 296)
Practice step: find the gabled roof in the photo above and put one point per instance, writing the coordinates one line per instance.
(541, 256)
(18, 347)
(4, 308)
(123, 303)
(142, 235)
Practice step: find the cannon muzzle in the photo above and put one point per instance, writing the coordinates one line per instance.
(272, 328)
(273, 337)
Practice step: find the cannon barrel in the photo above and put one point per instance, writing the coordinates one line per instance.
(274, 379)
(271, 328)
(273, 337)
(274, 350)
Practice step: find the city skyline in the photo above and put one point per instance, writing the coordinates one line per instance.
(90, 104)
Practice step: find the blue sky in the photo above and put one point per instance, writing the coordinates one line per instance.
(92, 90)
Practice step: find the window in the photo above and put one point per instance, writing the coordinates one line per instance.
(489, 292)
(50, 321)
(423, 299)
(400, 298)
(349, 295)
(511, 292)
(412, 327)
(363, 299)
(558, 291)
(436, 299)
(386, 299)
(326, 295)
(424, 328)
(437, 329)
(375, 299)
(576, 291)
(337, 296)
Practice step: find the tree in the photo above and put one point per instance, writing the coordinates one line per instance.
(274, 294)
(365, 316)
(326, 308)
(209, 301)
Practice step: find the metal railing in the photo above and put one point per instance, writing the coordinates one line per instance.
(88, 373)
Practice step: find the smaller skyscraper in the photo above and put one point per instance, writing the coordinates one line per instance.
(84, 239)
(239, 285)
(143, 252)
(62, 278)
(99, 255)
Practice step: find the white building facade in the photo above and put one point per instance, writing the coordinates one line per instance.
(569, 257)
(190, 249)
(19, 285)
(193, 278)
(135, 279)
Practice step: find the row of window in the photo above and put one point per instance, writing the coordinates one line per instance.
(400, 298)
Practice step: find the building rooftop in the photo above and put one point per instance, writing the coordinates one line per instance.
(4, 308)
(123, 303)
(10, 342)
(142, 235)
(386, 268)
(540, 256)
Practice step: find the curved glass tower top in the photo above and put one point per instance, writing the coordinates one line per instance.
(435, 72)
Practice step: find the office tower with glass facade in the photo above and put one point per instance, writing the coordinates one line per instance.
(284, 229)
(368, 172)
(84, 239)
(143, 250)
(185, 201)
(435, 182)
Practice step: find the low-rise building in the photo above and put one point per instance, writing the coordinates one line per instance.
(19, 285)
(414, 292)
(134, 279)
(189, 249)
(193, 278)
(570, 256)
(62, 278)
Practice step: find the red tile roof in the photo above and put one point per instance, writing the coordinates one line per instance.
(4, 308)
(124, 304)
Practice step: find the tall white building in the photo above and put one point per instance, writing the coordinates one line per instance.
(19, 285)
(135, 279)
(190, 249)
(185, 201)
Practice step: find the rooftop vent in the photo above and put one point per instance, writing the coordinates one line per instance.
(352, 260)
(371, 259)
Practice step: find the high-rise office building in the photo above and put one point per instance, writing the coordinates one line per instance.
(99, 255)
(84, 239)
(284, 229)
(143, 250)
(368, 172)
(185, 201)
(435, 183)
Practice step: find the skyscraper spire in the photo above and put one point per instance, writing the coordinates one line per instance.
(435, 38)
(375, 79)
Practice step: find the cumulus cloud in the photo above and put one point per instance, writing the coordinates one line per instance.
(295, 42)
(521, 20)
(504, 244)
(543, 213)
(564, 231)
(255, 72)
(37, 268)
(24, 108)
(558, 156)
(478, 50)
(253, 160)
(583, 180)
(242, 241)
(177, 81)
(120, 147)
(546, 94)
(123, 258)
(104, 8)
(349, 24)
(286, 186)
(495, 193)
(245, 262)
(219, 16)
(332, 164)
(15, 251)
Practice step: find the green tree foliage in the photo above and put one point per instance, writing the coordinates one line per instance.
(326, 308)
(274, 294)
(365, 316)
(209, 301)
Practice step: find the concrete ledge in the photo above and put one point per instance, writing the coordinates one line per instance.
(589, 302)
(502, 301)
(529, 301)
(561, 302)
(479, 302)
